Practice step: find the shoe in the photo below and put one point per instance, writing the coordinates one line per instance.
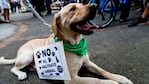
(137, 21)
(7, 21)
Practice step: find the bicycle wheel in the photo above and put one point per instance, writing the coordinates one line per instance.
(107, 14)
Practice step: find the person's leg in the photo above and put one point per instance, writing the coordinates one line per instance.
(6, 15)
(146, 12)
(142, 18)
(14, 7)
(11, 7)
(48, 2)
(125, 11)
(36, 6)
(40, 7)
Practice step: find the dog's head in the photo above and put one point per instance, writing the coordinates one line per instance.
(73, 19)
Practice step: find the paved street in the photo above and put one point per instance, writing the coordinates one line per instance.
(7, 30)
(118, 48)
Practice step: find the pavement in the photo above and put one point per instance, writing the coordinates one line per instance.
(117, 48)
(7, 30)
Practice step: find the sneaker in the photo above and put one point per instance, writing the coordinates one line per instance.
(7, 21)
(137, 21)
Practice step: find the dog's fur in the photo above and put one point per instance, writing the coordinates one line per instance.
(66, 26)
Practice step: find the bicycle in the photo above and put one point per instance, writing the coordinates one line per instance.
(108, 11)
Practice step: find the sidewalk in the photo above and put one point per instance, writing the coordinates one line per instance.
(7, 29)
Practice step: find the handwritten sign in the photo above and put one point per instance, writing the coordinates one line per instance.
(50, 62)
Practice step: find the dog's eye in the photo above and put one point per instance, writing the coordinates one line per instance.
(73, 9)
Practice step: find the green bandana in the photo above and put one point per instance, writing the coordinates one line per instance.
(79, 49)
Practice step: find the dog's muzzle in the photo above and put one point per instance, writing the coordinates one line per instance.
(84, 26)
(92, 10)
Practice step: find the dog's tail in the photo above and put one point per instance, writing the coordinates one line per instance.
(7, 61)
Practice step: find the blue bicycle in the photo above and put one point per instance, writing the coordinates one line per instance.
(107, 11)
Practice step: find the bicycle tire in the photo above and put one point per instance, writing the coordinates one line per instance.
(109, 16)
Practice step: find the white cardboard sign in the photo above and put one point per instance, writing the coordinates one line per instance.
(50, 62)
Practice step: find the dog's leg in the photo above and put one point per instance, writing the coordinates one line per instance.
(74, 63)
(23, 59)
(88, 80)
(94, 68)
(21, 75)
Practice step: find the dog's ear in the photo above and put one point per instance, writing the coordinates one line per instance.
(56, 23)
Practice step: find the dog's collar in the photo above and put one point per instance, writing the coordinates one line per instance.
(79, 49)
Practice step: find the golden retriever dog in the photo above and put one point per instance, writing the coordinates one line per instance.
(69, 25)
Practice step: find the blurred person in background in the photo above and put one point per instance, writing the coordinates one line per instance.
(48, 6)
(1, 21)
(142, 18)
(125, 10)
(5, 9)
(18, 4)
(13, 5)
(39, 6)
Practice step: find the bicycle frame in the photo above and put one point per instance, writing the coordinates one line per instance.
(102, 7)
(107, 10)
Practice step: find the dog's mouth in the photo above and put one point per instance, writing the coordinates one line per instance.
(85, 27)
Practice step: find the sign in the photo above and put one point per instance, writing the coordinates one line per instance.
(50, 62)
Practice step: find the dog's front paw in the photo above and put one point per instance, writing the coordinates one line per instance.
(121, 79)
(22, 76)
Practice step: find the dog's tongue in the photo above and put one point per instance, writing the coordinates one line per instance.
(87, 26)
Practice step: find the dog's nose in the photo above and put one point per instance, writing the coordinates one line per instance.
(92, 7)
(92, 10)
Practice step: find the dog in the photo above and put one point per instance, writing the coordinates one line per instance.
(69, 24)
